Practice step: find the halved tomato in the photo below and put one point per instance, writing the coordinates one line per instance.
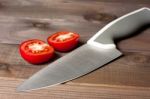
(36, 51)
(64, 41)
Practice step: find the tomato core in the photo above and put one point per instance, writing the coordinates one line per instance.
(37, 47)
(64, 37)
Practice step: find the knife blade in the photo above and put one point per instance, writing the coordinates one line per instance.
(98, 51)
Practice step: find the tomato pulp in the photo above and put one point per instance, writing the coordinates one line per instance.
(36, 51)
(64, 41)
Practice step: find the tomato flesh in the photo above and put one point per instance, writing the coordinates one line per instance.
(64, 41)
(36, 51)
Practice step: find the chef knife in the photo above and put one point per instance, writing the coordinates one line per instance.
(98, 51)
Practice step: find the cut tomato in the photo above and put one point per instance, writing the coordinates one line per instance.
(64, 41)
(36, 51)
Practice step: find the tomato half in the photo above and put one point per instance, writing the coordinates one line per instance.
(36, 51)
(64, 41)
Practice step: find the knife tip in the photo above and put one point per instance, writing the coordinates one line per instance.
(24, 88)
(21, 89)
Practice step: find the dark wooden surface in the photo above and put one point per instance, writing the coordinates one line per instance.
(126, 77)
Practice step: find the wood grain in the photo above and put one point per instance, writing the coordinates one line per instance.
(8, 86)
(22, 20)
(125, 78)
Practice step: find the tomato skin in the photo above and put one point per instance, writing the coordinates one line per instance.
(36, 58)
(64, 46)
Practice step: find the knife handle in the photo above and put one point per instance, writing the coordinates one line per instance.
(121, 27)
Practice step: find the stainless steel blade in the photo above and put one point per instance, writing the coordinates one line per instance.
(77, 63)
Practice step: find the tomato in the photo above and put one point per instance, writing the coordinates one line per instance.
(36, 51)
(64, 41)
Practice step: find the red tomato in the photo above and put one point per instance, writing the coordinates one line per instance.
(36, 51)
(64, 41)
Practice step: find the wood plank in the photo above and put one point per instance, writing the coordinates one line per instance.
(8, 86)
(21, 21)
(50, 2)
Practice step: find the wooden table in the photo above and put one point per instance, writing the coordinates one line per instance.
(128, 77)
